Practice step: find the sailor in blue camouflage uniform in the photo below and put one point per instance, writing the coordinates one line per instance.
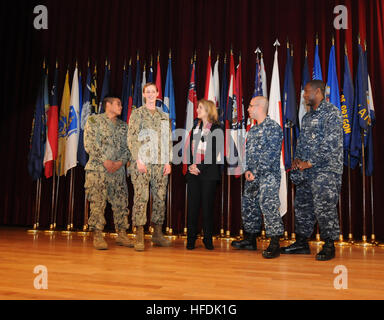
(317, 173)
(262, 174)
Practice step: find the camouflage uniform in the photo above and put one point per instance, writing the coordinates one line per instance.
(150, 140)
(105, 140)
(317, 188)
(261, 196)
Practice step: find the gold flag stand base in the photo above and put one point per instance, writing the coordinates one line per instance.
(85, 232)
(52, 230)
(69, 231)
(342, 243)
(35, 229)
(184, 235)
(228, 236)
(222, 235)
(318, 241)
(263, 236)
(286, 241)
(170, 235)
(364, 243)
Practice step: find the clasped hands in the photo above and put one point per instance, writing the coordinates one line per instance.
(112, 166)
(142, 168)
(297, 164)
(193, 170)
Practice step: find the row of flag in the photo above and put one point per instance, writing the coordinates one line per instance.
(58, 133)
(58, 136)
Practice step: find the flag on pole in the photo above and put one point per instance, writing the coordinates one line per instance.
(291, 131)
(72, 126)
(85, 112)
(38, 133)
(275, 113)
(360, 112)
(241, 127)
(332, 89)
(63, 120)
(106, 86)
(216, 82)
(137, 93)
(169, 96)
(159, 100)
(53, 127)
(150, 74)
(223, 94)
(127, 94)
(231, 113)
(369, 164)
(190, 113)
(347, 109)
(94, 92)
(209, 84)
(143, 83)
(317, 73)
(304, 80)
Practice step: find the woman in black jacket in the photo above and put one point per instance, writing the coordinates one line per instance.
(205, 145)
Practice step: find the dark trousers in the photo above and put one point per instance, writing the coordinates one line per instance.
(200, 194)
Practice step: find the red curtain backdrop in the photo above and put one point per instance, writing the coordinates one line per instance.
(118, 29)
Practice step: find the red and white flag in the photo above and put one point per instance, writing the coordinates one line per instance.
(275, 113)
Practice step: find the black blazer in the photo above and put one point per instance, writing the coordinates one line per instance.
(209, 168)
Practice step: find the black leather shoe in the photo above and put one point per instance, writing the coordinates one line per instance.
(299, 247)
(327, 252)
(249, 242)
(208, 244)
(273, 250)
(191, 244)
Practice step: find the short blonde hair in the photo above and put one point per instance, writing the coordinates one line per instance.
(148, 84)
(210, 108)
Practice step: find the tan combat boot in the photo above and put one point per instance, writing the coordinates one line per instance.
(123, 240)
(158, 237)
(98, 240)
(139, 243)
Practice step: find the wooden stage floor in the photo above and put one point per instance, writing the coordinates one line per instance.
(77, 271)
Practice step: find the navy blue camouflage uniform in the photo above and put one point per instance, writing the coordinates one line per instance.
(261, 196)
(317, 188)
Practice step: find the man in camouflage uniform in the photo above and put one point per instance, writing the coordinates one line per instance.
(150, 142)
(261, 190)
(318, 169)
(105, 140)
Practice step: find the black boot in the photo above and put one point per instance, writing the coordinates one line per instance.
(299, 247)
(249, 242)
(191, 243)
(328, 251)
(208, 243)
(273, 250)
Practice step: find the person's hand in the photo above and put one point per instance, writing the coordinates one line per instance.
(193, 170)
(295, 164)
(141, 166)
(109, 165)
(304, 165)
(167, 169)
(249, 176)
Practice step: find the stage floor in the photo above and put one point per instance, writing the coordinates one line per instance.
(77, 271)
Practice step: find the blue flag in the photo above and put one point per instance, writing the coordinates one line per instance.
(291, 130)
(347, 109)
(137, 93)
(332, 90)
(169, 97)
(85, 112)
(105, 88)
(360, 110)
(38, 134)
(317, 73)
(369, 155)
